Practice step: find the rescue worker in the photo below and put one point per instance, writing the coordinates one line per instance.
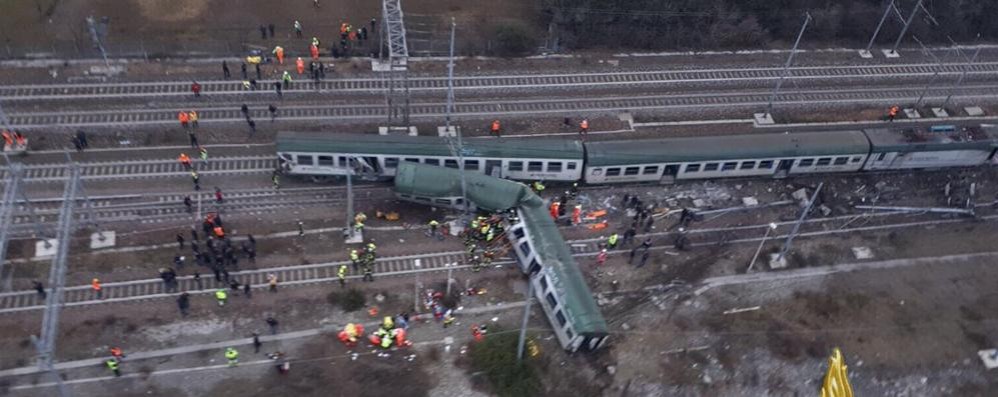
(555, 207)
(279, 52)
(433, 227)
(197, 180)
(612, 241)
(355, 259)
(203, 152)
(232, 355)
(221, 295)
(276, 179)
(476, 263)
(681, 240)
(196, 89)
(112, 364)
(368, 274)
(298, 29)
(577, 214)
(117, 353)
(219, 232)
(601, 257)
(358, 227)
(96, 287)
(184, 118)
(584, 128)
(495, 128)
(300, 66)
(315, 41)
(286, 78)
(387, 323)
(892, 113)
(371, 247)
(185, 160)
(342, 275)
(193, 116)
(538, 187)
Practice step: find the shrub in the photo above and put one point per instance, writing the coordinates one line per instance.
(496, 358)
(350, 300)
(513, 40)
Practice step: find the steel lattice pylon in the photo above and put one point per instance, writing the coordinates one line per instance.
(397, 76)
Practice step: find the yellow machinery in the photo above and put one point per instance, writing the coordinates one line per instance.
(836, 382)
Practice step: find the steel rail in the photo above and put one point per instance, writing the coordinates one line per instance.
(491, 82)
(141, 169)
(476, 109)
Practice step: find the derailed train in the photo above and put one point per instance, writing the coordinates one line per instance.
(321, 155)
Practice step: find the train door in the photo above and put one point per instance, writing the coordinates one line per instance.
(669, 174)
(783, 169)
(369, 166)
(493, 168)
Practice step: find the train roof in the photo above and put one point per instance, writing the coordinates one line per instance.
(925, 140)
(747, 146)
(327, 142)
(488, 193)
(558, 263)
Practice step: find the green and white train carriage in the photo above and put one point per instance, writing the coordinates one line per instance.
(710, 157)
(319, 155)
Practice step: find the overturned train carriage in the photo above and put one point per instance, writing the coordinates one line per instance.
(537, 245)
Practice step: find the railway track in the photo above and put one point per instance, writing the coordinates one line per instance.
(169, 207)
(140, 290)
(142, 169)
(486, 82)
(477, 109)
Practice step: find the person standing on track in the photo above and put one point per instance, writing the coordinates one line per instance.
(184, 303)
(221, 295)
(232, 355)
(276, 179)
(96, 287)
(184, 118)
(184, 160)
(193, 138)
(300, 66)
(225, 70)
(341, 274)
(495, 128)
(82, 137)
(190, 206)
(243, 68)
(40, 289)
(286, 78)
(298, 29)
(180, 241)
(218, 195)
(583, 128)
(112, 364)
(203, 152)
(193, 116)
(272, 108)
(272, 282)
(196, 89)
(197, 180)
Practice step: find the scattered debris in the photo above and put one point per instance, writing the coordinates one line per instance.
(862, 252)
(940, 210)
(750, 201)
(742, 310)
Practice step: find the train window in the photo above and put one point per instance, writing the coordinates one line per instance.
(560, 317)
(766, 164)
(650, 170)
(516, 166)
(525, 248)
(286, 156)
(544, 283)
(729, 166)
(304, 160)
(459, 201)
(412, 160)
(710, 167)
(632, 170)
(518, 233)
(341, 161)
(612, 171)
(857, 159)
(442, 201)
(571, 165)
(326, 161)
(433, 161)
(881, 156)
(806, 162)
(597, 171)
(693, 168)
(824, 161)
(841, 160)
(450, 163)
(747, 165)
(391, 162)
(423, 199)
(551, 300)
(554, 166)
(471, 165)
(535, 166)
(568, 333)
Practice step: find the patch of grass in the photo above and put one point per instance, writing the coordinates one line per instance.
(496, 358)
